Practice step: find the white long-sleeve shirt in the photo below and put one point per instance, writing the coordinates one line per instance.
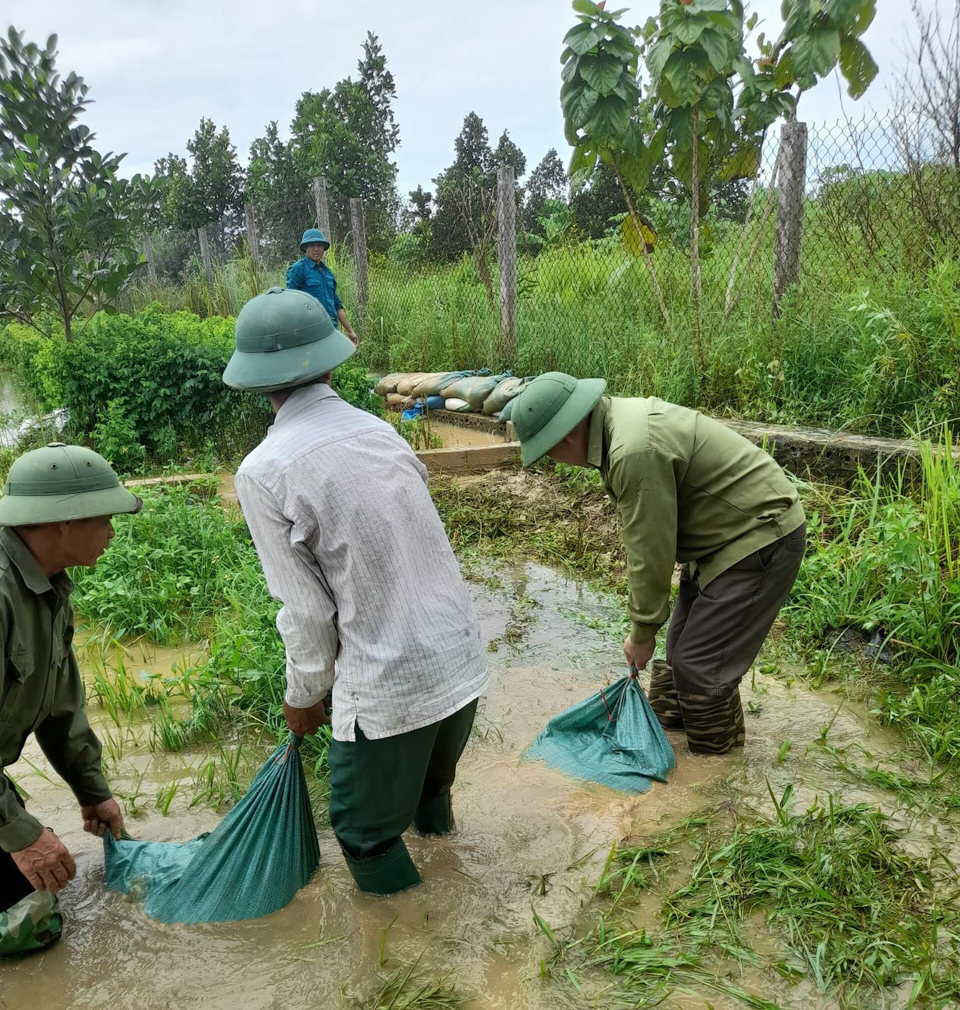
(352, 546)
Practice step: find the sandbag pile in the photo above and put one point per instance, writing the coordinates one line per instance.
(460, 392)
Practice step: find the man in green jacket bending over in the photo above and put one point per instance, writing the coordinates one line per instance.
(687, 489)
(56, 511)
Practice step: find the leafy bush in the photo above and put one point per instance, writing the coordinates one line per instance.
(116, 439)
(352, 384)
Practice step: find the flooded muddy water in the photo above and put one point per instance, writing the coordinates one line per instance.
(528, 840)
(453, 436)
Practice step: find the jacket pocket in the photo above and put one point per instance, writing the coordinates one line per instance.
(19, 668)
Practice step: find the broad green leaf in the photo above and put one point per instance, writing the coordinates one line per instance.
(797, 17)
(582, 105)
(816, 53)
(583, 159)
(857, 66)
(583, 38)
(635, 235)
(684, 71)
(611, 116)
(852, 17)
(783, 74)
(689, 29)
(633, 140)
(657, 57)
(601, 72)
(584, 7)
(741, 164)
(718, 48)
(570, 69)
(710, 5)
(32, 141)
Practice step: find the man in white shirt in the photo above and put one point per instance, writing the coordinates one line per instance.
(374, 605)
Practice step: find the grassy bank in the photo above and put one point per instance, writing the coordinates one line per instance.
(862, 346)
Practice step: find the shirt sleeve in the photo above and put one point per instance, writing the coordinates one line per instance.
(295, 276)
(69, 743)
(645, 492)
(18, 829)
(337, 304)
(308, 615)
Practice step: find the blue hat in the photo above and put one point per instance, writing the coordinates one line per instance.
(313, 235)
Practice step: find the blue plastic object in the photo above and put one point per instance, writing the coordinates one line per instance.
(411, 413)
(612, 738)
(435, 402)
(251, 864)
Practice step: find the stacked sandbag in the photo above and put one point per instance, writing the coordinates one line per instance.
(504, 391)
(506, 411)
(432, 385)
(396, 399)
(388, 384)
(406, 385)
(456, 405)
(474, 389)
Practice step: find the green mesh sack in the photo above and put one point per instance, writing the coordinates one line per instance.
(612, 738)
(251, 864)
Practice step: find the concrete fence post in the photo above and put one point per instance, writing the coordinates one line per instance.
(205, 254)
(790, 199)
(358, 232)
(320, 202)
(253, 240)
(151, 263)
(507, 235)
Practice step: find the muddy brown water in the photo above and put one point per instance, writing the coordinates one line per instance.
(528, 839)
(453, 436)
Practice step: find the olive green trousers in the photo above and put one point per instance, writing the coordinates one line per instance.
(379, 787)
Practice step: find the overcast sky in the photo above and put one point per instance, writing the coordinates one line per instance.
(155, 68)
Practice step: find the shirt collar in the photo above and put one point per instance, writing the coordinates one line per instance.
(26, 564)
(595, 446)
(302, 399)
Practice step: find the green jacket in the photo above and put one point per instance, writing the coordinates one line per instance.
(40, 688)
(688, 489)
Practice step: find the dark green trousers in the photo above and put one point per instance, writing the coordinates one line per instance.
(379, 787)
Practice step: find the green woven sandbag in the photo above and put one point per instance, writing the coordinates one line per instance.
(388, 384)
(474, 389)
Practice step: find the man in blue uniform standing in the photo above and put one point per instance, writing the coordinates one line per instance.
(312, 275)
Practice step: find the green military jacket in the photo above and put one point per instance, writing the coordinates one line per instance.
(40, 687)
(688, 489)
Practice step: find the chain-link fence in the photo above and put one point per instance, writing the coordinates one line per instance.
(833, 209)
(873, 203)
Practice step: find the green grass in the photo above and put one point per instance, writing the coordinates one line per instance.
(839, 900)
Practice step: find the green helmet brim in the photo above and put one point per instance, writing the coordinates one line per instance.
(577, 406)
(266, 371)
(27, 510)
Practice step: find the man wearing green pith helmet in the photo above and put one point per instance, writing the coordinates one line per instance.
(687, 489)
(55, 512)
(339, 511)
(312, 275)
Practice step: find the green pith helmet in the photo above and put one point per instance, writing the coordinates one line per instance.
(313, 235)
(284, 338)
(59, 483)
(549, 409)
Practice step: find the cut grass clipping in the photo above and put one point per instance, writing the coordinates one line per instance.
(846, 908)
